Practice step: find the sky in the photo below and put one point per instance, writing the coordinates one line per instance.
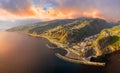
(44, 10)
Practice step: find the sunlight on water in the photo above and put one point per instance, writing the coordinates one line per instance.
(18, 54)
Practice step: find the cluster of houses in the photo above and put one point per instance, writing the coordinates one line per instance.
(85, 45)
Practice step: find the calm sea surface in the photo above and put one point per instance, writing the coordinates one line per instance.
(20, 53)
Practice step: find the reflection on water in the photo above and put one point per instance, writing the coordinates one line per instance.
(114, 64)
(20, 53)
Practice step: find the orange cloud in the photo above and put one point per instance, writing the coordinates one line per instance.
(49, 14)
(68, 14)
(95, 13)
(20, 14)
(52, 13)
(4, 15)
(65, 9)
(26, 12)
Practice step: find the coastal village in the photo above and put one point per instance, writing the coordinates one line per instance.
(81, 52)
(83, 49)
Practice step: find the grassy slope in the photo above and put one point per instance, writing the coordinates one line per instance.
(109, 40)
(76, 30)
(65, 31)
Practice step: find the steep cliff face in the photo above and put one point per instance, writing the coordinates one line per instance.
(108, 40)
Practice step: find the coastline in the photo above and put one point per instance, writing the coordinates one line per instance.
(69, 51)
(78, 61)
(64, 57)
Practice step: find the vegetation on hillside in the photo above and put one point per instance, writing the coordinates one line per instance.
(76, 30)
(108, 40)
(65, 31)
(82, 37)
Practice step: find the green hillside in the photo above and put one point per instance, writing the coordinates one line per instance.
(76, 30)
(108, 40)
(82, 38)
(65, 31)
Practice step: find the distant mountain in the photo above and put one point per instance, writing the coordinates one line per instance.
(7, 24)
(40, 27)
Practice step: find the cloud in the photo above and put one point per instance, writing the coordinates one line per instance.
(18, 7)
(4, 15)
(71, 9)
(106, 9)
(59, 9)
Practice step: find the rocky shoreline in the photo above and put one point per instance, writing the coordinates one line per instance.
(77, 52)
(76, 55)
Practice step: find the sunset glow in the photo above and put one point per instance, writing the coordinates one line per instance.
(56, 9)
